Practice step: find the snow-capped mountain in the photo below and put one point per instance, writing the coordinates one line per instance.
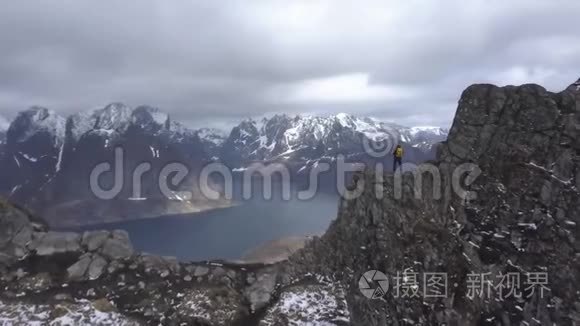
(212, 139)
(30, 156)
(47, 159)
(310, 138)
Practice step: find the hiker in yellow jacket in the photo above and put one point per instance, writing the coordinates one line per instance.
(397, 157)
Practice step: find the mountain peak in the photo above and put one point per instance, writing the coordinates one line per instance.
(212, 135)
(575, 86)
(113, 117)
(4, 124)
(147, 115)
(34, 120)
(428, 129)
(345, 120)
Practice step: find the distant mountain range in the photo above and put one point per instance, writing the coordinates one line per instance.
(308, 140)
(46, 159)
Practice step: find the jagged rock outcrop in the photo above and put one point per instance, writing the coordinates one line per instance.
(520, 216)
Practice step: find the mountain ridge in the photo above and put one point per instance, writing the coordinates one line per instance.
(519, 214)
(47, 159)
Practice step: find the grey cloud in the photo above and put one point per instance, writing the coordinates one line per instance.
(218, 61)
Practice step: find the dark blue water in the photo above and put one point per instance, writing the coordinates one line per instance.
(228, 233)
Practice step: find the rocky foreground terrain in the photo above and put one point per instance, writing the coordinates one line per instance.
(520, 216)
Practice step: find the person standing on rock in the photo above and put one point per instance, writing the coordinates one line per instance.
(397, 157)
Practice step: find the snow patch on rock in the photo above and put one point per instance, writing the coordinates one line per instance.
(114, 117)
(310, 305)
(81, 312)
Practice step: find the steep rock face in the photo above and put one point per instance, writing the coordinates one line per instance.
(521, 216)
(29, 158)
(47, 163)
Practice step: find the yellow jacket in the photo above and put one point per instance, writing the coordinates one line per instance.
(398, 152)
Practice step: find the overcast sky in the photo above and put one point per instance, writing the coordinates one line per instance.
(219, 61)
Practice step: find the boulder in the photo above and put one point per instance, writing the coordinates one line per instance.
(260, 292)
(117, 248)
(12, 220)
(15, 233)
(200, 271)
(160, 264)
(103, 305)
(96, 267)
(51, 243)
(210, 306)
(77, 270)
(94, 240)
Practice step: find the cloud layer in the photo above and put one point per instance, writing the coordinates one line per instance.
(219, 61)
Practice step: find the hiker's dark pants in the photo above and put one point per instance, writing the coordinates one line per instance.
(397, 161)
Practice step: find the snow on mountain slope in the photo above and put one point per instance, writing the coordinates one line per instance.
(313, 137)
(4, 124)
(437, 131)
(36, 120)
(213, 135)
(114, 117)
(29, 156)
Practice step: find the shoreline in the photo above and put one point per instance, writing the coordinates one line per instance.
(185, 211)
(277, 250)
